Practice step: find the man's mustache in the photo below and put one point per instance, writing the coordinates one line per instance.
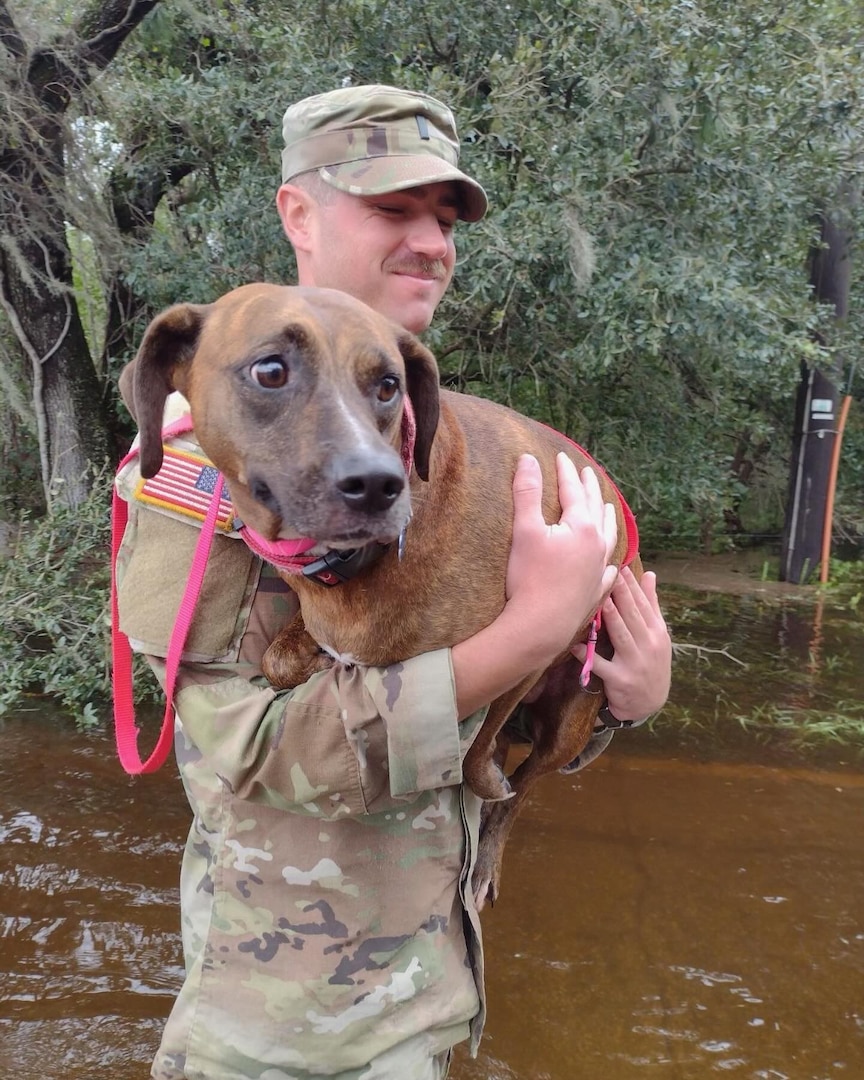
(419, 267)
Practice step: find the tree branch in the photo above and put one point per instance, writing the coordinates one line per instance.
(704, 651)
(67, 67)
(642, 174)
(10, 38)
(105, 26)
(36, 362)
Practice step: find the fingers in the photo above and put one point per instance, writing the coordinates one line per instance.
(620, 616)
(577, 493)
(621, 609)
(600, 512)
(601, 666)
(636, 601)
(582, 501)
(580, 495)
(648, 592)
(637, 677)
(527, 481)
(527, 494)
(630, 612)
(578, 545)
(581, 498)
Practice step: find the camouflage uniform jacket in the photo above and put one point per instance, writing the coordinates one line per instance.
(326, 905)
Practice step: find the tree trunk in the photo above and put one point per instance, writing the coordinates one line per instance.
(36, 89)
(72, 421)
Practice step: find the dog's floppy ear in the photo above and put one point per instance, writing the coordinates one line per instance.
(168, 345)
(421, 373)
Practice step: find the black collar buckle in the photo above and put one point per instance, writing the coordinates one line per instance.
(334, 567)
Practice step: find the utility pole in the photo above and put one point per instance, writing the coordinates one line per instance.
(816, 410)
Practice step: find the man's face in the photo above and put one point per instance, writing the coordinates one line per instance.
(395, 251)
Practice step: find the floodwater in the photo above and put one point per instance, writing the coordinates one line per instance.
(690, 905)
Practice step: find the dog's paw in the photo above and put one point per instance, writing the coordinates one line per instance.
(486, 881)
(292, 658)
(482, 892)
(488, 780)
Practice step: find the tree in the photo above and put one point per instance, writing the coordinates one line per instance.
(40, 83)
(653, 172)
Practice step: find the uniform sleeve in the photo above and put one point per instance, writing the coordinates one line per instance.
(359, 739)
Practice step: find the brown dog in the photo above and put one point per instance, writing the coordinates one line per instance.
(297, 397)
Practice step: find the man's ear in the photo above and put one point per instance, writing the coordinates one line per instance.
(295, 207)
(159, 367)
(421, 375)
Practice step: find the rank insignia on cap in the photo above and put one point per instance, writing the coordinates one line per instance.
(184, 485)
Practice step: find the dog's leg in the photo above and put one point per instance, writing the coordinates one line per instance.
(560, 724)
(496, 824)
(293, 656)
(481, 767)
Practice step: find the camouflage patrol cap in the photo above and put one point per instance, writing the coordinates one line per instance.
(369, 140)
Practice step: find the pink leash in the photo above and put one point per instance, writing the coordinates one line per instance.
(125, 728)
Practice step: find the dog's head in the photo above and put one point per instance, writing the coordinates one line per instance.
(297, 396)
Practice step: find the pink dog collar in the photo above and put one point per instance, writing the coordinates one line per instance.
(283, 554)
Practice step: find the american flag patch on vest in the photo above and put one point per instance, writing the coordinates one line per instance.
(185, 485)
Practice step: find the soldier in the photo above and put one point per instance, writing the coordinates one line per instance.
(328, 923)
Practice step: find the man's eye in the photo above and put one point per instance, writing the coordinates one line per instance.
(271, 372)
(388, 388)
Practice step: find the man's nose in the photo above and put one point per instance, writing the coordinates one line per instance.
(427, 237)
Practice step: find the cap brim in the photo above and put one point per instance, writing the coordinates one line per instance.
(392, 172)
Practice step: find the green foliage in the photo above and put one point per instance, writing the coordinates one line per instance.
(640, 282)
(847, 579)
(653, 175)
(799, 728)
(654, 171)
(842, 724)
(88, 290)
(849, 516)
(54, 587)
(845, 573)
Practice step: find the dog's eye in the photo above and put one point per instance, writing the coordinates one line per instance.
(270, 372)
(388, 388)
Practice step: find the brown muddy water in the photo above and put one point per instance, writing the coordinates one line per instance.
(690, 905)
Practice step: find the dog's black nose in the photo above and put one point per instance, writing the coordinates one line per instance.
(370, 487)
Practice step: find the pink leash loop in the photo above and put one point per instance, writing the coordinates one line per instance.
(590, 650)
(632, 551)
(125, 728)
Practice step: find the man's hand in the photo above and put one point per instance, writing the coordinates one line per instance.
(558, 574)
(556, 578)
(638, 676)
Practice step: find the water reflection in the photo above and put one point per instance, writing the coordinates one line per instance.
(689, 905)
(707, 919)
(89, 957)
